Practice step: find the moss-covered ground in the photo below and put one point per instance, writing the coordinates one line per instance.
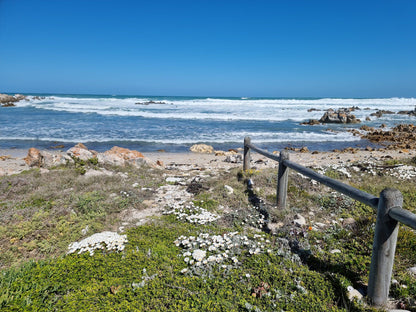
(302, 268)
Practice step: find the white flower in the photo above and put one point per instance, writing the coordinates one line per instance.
(248, 275)
(186, 259)
(183, 271)
(199, 254)
(212, 258)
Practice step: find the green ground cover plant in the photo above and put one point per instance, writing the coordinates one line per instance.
(293, 268)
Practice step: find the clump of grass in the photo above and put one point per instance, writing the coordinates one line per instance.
(42, 213)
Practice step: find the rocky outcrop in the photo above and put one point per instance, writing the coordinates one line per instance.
(342, 115)
(9, 100)
(202, 148)
(33, 158)
(410, 113)
(120, 156)
(82, 152)
(117, 156)
(400, 137)
(44, 159)
(382, 112)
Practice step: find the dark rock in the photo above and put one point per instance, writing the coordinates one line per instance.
(342, 115)
(366, 128)
(311, 122)
(149, 102)
(380, 113)
(410, 113)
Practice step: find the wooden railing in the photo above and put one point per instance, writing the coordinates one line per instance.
(389, 214)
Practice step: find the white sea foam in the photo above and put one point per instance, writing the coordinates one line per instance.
(220, 109)
(258, 137)
(188, 120)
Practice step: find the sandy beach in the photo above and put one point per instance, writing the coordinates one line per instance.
(12, 160)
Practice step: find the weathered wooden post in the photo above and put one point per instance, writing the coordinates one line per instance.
(247, 157)
(384, 247)
(282, 179)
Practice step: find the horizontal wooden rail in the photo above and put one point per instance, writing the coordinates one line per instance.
(404, 216)
(346, 189)
(389, 213)
(263, 152)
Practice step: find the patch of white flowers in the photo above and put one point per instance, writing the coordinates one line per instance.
(105, 240)
(191, 213)
(402, 172)
(254, 218)
(207, 250)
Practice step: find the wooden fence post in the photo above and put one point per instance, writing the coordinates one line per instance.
(247, 157)
(384, 246)
(282, 179)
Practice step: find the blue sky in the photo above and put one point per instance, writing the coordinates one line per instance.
(209, 48)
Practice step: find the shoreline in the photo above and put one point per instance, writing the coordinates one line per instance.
(12, 160)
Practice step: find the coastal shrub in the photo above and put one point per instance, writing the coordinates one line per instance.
(147, 276)
(306, 269)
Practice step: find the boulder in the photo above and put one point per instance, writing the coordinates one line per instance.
(33, 158)
(120, 156)
(51, 159)
(82, 152)
(342, 115)
(299, 220)
(202, 148)
(44, 159)
(237, 158)
(9, 100)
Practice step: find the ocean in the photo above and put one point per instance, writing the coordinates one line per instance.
(152, 123)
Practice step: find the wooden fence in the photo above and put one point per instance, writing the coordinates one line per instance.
(389, 214)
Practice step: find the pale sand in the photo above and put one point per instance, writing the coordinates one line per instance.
(15, 163)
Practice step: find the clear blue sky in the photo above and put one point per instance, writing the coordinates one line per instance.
(286, 48)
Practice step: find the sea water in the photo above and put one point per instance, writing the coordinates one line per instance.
(151, 123)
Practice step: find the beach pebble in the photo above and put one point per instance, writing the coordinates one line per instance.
(412, 270)
(299, 220)
(173, 180)
(229, 189)
(353, 293)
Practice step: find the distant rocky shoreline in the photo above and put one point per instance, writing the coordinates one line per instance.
(9, 100)
(344, 116)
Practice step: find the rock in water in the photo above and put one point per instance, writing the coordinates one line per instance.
(342, 115)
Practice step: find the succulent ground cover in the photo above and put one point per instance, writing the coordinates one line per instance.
(220, 246)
